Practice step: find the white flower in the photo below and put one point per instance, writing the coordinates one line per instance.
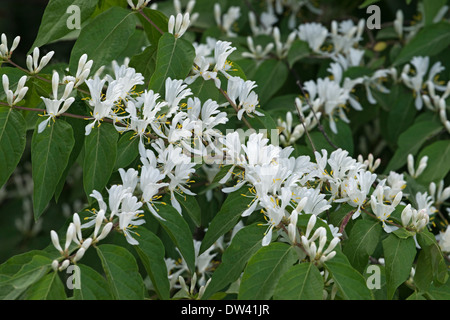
(126, 78)
(201, 68)
(222, 50)
(128, 221)
(440, 195)
(281, 49)
(330, 96)
(33, 59)
(417, 81)
(226, 21)
(150, 184)
(6, 53)
(129, 179)
(314, 34)
(317, 254)
(383, 211)
(425, 201)
(257, 52)
(238, 89)
(53, 105)
(176, 91)
(102, 103)
(179, 24)
(358, 188)
(178, 180)
(12, 98)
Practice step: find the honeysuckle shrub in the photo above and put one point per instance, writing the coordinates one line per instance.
(228, 150)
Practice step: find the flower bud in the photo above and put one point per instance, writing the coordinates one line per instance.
(79, 255)
(64, 265)
(55, 241)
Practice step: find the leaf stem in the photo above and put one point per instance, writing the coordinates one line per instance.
(150, 21)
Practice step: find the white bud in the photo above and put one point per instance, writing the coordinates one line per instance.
(55, 241)
(311, 224)
(106, 229)
(86, 243)
(69, 235)
(64, 265)
(422, 166)
(406, 215)
(79, 254)
(77, 223)
(397, 199)
(292, 232)
(55, 265)
(410, 163)
(302, 205)
(332, 245)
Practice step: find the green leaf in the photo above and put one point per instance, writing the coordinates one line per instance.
(399, 256)
(12, 141)
(227, 217)
(264, 269)
(50, 287)
(93, 286)
(244, 244)
(100, 148)
(103, 38)
(78, 127)
(264, 77)
(174, 59)
(57, 18)
(50, 151)
(179, 232)
(362, 242)
(159, 19)
(431, 264)
(350, 283)
(204, 89)
(264, 122)
(367, 3)
(299, 50)
(431, 9)
(438, 164)
(411, 140)
(127, 150)
(190, 205)
(122, 272)
(429, 41)
(343, 139)
(20, 272)
(145, 63)
(151, 252)
(441, 292)
(401, 113)
(301, 282)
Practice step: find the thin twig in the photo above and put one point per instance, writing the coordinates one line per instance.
(302, 121)
(150, 21)
(235, 107)
(37, 76)
(319, 125)
(71, 115)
